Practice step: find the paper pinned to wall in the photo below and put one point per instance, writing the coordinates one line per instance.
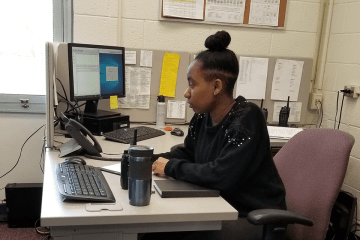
(225, 11)
(176, 109)
(251, 82)
(137, 88)
(193, 9)
(169, 72)
(130, 57)
(264, 12)
(146, 58)
(295, 111)
(282, 132)
(286, 79)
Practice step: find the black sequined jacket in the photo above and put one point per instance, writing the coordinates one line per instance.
(233, 157)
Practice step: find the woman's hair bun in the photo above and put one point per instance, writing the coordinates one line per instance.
(218, 41)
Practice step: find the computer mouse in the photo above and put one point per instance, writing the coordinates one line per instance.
(75, 160)
(177, 132)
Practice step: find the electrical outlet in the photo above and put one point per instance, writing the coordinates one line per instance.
(346, 87)
(354, 91)
(315, 100)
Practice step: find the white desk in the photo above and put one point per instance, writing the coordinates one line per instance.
(68, 220)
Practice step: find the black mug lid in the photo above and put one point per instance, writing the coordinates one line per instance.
(140, 151)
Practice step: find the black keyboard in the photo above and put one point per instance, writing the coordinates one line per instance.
(126, 135)
(83, 182)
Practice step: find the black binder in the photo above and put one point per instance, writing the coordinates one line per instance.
(180, 189)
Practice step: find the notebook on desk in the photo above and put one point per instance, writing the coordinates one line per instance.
(180, 189)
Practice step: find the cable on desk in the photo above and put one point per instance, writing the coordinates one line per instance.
(154, 123)
(102, 158)
(111, 153)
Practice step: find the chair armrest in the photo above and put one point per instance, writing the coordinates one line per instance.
(268, 216)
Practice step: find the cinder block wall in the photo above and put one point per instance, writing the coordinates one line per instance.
(134, 23)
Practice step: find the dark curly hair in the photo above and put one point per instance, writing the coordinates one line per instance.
(218, 62)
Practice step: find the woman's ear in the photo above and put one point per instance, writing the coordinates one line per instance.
(218, 85)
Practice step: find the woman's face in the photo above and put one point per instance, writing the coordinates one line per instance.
(200, 93)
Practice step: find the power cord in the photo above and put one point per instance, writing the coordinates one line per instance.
(337, 103)
(342, 103)
(42, 155)
(66, 97)
(317, 115)
(40, 230)
(75, 106)
(21, 152)
(322, 113)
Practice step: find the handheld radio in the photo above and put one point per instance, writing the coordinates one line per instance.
(284, 114)
(264, 110)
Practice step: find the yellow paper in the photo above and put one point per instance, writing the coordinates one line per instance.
(114, 102)
(169, 72)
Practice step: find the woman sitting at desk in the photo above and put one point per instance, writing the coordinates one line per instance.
(227, 146)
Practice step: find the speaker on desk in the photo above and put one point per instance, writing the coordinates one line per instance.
(23, 203)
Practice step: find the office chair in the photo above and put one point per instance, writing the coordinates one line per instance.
(312, 165)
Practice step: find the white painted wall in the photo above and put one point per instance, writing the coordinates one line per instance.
(15, 129)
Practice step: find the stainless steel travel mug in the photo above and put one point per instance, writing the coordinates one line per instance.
(140, 175)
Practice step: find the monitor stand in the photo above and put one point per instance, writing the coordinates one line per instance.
(92, 111)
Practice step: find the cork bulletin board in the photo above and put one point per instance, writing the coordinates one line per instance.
(245, 13)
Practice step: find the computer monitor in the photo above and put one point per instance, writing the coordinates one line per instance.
(96, 72)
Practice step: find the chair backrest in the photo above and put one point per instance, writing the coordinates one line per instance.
(312, 165)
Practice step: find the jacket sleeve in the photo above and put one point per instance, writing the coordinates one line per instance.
(186, 152)
(243, 150)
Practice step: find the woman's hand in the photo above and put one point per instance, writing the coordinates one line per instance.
(158, 166)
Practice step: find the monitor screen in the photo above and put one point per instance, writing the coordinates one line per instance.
(96, 72)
